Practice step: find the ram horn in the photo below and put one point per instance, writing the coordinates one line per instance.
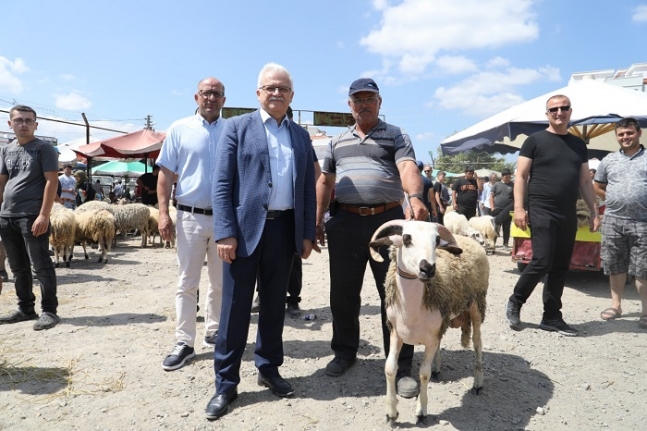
(381, 237)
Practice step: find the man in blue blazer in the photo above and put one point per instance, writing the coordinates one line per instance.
(264, 189)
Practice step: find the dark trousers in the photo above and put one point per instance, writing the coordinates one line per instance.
(24, 249)
(272, 261)
(553, 238)
(296, 281)
(502, 218)
(468, 212)
(348, 237)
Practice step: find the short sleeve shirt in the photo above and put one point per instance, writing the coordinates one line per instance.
(626, 180)
(25, 165)
(366, 169)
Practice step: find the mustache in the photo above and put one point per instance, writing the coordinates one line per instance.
(280, 99)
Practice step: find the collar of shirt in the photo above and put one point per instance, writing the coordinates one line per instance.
(199, 118)
(380, 125)
(639, 152)
(265, 116)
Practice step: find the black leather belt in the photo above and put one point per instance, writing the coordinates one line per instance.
(369, 210)
(272, 214)
(195, 210)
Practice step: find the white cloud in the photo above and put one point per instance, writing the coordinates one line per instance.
(640, 13)
(426, 136)
(68, 77)
(72, 101)
(456, 64)
(9, 82)
(491, 91)
(414, 31)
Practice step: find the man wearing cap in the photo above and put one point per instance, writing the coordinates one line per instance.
(465, 193)
(559, 165)
(369, 165)
(502, 202)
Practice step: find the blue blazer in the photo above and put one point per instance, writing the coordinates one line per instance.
(242, 181)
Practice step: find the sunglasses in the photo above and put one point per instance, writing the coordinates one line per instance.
(557, 108)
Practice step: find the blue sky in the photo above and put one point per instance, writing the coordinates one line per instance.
(442, 65)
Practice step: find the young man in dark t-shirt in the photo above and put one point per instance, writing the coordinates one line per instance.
(465, 193)
(148, 186)
(553, 166)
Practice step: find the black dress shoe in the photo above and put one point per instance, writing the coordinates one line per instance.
(277, 385)
(219, 404)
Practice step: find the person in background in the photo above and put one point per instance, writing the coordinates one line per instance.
(465, 193)
(502, 202)
(148, 186)
(84, 189)
(98, 190)
(28, 183)
(427, 171)
(185, 161)
(369, 165)
(118, 190)
(484, 201)
(559, 165)
(441, 195)
(264, 188)
(68, 187)
(427, 191)
(621, 181)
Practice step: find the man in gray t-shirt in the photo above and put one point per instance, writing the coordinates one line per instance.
(621, 180)
(28, 183)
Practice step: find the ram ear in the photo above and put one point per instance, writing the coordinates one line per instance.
(451, 248)
(375, 245)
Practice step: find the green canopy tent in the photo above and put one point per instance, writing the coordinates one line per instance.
(116, 168)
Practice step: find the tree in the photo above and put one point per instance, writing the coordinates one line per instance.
(478, 160)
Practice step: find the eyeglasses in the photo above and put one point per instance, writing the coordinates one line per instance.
(363, 100)
(208, 95)
(271, 89)
(27, 121)
(557, 108)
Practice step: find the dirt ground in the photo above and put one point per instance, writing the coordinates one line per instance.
(100, 368)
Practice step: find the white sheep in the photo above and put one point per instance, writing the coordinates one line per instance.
(61, 237)
(153, 225)
(435, 281)
(458, 225)
(93, 206)
(487, 226)
(95, 226)
(130, 217)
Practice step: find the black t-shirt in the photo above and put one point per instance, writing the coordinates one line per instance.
(503, 194)
(426, 186)
(150, 181)
(555, 170)
(467, 192)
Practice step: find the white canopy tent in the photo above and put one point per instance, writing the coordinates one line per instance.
(596, 106)
(66, 153)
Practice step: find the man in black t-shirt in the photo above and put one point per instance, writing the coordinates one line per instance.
(465, 193)
(502, 202)
(559, 165)
(148, 186)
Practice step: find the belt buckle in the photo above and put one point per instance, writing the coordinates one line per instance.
(366, 211)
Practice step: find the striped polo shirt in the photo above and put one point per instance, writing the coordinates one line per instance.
(366, 169)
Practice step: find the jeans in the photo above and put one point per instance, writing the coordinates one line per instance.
(553, 239)
(348, 237)
(194, 241)
(23, 250)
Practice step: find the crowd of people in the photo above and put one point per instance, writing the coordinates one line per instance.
(251, 200)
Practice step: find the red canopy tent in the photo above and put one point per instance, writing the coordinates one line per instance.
(143, 144)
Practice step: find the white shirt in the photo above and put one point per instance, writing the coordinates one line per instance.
(281, 162)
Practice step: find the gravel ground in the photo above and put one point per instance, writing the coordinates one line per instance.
(100, 369)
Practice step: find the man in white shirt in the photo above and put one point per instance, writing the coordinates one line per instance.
(68, 185)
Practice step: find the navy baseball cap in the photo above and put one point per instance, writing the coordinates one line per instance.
(363, 84)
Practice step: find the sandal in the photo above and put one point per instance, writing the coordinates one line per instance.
(613, 313)
(642, 323)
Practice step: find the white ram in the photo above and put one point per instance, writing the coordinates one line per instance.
(61, 236)
(435, 281)
(458, 225)
(95, 226)
(487, 227)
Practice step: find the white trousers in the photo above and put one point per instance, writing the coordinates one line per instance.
(194, 241)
